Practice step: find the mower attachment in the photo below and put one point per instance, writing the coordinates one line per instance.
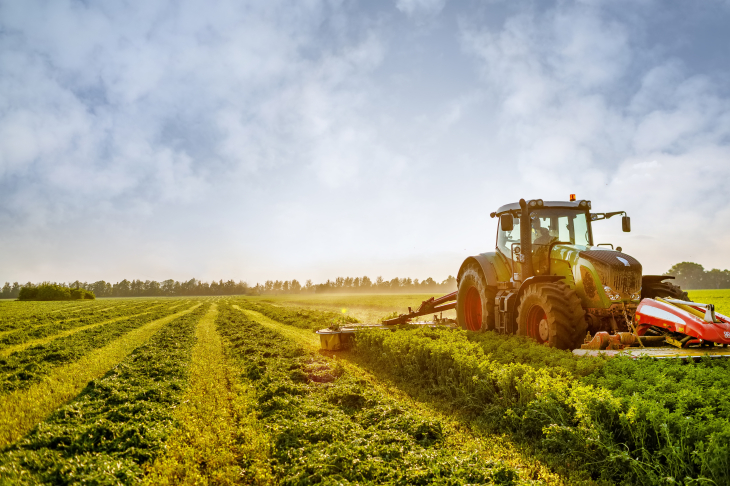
(691, 328)
(683, 324)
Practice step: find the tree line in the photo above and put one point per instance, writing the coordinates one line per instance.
(688, 275)
(691, 275)
(194, 287)
(49, 291)
(139, 288)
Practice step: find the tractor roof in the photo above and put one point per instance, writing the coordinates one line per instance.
(546, 204)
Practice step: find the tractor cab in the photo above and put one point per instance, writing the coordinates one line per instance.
(551, 223)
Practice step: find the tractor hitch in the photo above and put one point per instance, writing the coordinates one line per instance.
(429, 306)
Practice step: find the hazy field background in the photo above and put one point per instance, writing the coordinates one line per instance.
(370, 308)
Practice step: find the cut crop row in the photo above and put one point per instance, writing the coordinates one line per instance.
(328, 426)
(117, 424)
(25, 334)
(21, 369)
(15, 316)
(640, 421)
(297, 317)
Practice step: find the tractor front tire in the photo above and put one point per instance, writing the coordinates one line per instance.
(475, 301)
(551, 314)
(663, 289)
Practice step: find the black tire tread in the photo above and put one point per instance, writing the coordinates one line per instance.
(664, 289)
(565, 306)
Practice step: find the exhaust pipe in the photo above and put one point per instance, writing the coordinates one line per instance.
(526, 240)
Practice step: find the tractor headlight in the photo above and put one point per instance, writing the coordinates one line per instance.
(610, 293)
(636, 296)
(540, 203)
(532, 203)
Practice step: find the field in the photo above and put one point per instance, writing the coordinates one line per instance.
(367, 308)
(234, 390)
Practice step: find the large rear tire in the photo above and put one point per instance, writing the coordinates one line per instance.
(652, 290)
(551, 314)
(474, 301)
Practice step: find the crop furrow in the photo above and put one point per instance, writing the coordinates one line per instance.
(327, 424)
(118, 423)
(218, 440)
(22, 409)
(34, 317)
(11, 341)
(23, 368)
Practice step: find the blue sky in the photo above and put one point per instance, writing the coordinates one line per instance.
(314, 139)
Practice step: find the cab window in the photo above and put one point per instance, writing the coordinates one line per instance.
(553, 225)
(505, 239)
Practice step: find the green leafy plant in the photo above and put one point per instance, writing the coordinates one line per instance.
(116, 425)
(20, 369)
(633, 422)
(329, 427)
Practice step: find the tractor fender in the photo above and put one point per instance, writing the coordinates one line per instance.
(655, 278)
(482, 260)
(530, 281)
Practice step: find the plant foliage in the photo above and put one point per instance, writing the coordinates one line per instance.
(332, 428)
(624, 421)
(49, 291)
(23, 368)
(116, 425)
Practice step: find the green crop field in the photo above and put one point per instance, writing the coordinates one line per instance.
(234, 390)
(368, 308)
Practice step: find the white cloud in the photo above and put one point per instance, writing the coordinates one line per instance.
(236, 131)
(420, 7)
(565, 82)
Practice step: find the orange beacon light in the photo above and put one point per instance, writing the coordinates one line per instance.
(572, 197)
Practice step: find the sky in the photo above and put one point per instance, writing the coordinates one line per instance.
(256, 140)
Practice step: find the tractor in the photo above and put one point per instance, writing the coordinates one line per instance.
(547, 279)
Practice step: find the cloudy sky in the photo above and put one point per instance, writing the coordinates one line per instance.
(314, 139)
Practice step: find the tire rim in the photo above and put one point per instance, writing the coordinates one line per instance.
(537, 324)
(473, 310)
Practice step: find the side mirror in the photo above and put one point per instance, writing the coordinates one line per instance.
(506, 222)
(626, 224)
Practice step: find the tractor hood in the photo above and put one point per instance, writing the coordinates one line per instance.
(602, 275)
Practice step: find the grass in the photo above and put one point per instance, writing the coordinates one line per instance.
(20, 341)
(456, 436)
(619, 420)
(22, 409)
(626, 421)
(297, 317)
(721, 299)
(240, 395)
(329, 426)
(21, 369)
(117, 424)
(28, 315)
(368, 308)
(217, 432)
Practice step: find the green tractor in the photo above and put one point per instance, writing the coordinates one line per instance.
(548, 280)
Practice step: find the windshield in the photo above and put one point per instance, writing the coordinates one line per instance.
(549, 226)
